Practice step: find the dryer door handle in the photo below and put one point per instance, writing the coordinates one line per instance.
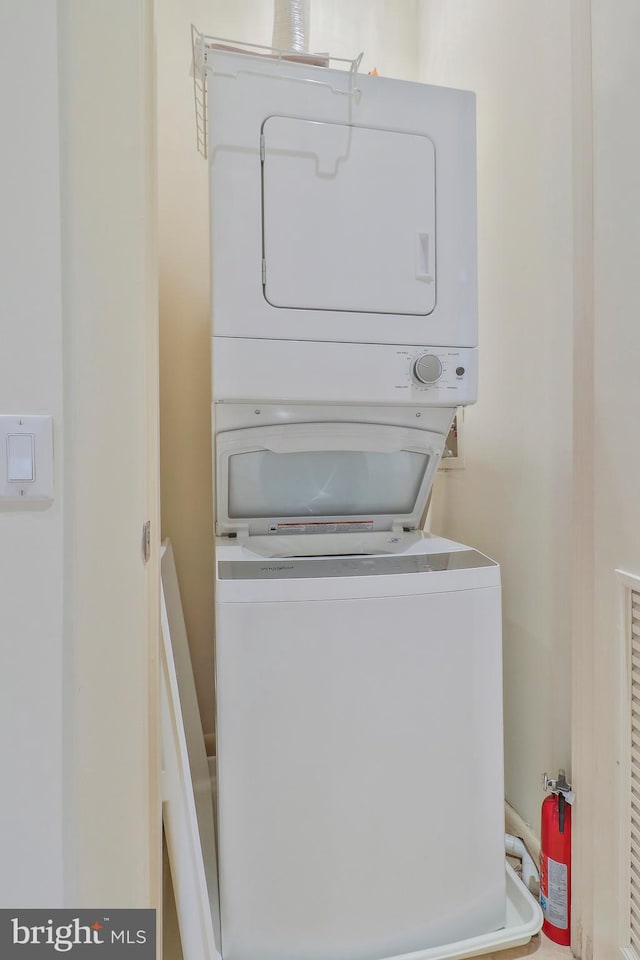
(424, 257)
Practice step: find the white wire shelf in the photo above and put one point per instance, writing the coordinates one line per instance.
(203, 45)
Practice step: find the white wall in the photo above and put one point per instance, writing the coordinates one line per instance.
(31, 542)
(79, 804)
(616, 446)
(384, 29)
(514, 498)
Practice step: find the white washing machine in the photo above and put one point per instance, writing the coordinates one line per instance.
(359, 725)
(358, 688)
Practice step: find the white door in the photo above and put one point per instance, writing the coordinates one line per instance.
(348, 218)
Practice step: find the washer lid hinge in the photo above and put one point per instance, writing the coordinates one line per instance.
(239, 532)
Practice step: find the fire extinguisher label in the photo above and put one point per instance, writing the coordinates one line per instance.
(555, 905)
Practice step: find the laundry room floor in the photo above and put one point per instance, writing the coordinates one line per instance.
(539, 947)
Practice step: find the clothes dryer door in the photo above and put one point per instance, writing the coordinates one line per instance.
(323, 478)
(343, 207)
(348, 218)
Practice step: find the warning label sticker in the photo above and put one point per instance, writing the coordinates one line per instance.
(556, 909)
(323, 526)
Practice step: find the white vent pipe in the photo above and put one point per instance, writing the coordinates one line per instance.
(291, 25)
(514, 847)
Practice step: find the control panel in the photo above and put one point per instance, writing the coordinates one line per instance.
(359, 372)
(443, 368)
(436, 373)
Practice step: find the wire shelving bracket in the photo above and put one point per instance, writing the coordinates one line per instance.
(203, 45)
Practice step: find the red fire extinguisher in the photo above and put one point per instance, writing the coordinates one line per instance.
(555, 860)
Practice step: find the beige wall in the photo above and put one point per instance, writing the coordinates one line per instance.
(513, 500)
(385, 30)
(616, 446)
(107, 101)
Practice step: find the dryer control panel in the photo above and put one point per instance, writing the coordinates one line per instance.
(299, 371)
(436, 370)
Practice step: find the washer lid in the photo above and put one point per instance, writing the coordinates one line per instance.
(323, 477)
(349, 219)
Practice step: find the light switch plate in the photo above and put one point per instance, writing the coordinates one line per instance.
(27, 492)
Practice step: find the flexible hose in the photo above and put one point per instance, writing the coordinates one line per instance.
(291, 25)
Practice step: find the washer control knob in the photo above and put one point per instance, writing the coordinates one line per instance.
(427, 368)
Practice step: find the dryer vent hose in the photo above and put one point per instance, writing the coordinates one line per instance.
(291, 25)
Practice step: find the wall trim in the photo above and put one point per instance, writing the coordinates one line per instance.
(583, 557)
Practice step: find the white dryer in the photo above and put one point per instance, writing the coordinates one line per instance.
(342, 209)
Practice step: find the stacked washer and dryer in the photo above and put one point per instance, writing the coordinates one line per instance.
(358, 659)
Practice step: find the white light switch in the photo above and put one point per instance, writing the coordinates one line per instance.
(26, 461)
(20, 457)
